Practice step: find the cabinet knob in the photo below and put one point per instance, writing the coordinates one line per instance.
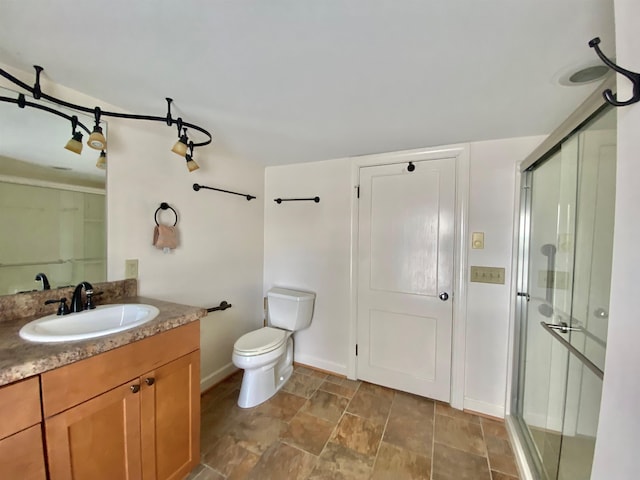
(149, 381)
(135, 388)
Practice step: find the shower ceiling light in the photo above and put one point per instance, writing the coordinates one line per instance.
(96, 140)
(191, 164)
(102, 161)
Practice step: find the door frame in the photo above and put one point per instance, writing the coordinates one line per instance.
(460, 155)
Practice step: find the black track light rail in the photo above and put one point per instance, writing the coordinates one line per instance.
(22, 102)
(197, 187)
(310, 199)
(37, 93)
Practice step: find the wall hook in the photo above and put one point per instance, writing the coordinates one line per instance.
(609, 96)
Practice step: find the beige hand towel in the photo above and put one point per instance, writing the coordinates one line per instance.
(165, 237)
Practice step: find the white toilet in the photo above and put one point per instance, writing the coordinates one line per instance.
(266, 355)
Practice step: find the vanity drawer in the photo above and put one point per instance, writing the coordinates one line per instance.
(19, 406)
(73, 384)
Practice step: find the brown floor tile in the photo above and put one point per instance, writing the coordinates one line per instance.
(377, 390)
(207, 474)
(452, 464)
(501, 456)
(459, 434)
(282, 462)
(370, 407)
(408, 430)
(417, 405)
(225, 455)
(241, 471)
(326, 405)
(358, 434)
(501, 476)
(338, 462)
(310, 371)
(302, 385)
(308, 433)
(282, 405)
(346, 391)
(257, 432)
(195, 472)
(449, 411)
(394, 463)
(493, 428)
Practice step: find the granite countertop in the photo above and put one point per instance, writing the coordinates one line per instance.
(21, 358)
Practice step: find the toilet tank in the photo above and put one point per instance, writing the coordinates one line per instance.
(290, 309)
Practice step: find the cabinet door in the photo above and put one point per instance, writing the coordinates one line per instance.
(170, 423)
(21, 455)
(98, 439)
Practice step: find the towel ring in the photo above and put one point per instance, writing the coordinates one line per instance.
(165, 206)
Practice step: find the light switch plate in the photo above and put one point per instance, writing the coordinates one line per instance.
(131, 268)
(487, 275)
(477, 240)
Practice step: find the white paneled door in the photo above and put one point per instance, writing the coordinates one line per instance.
(405, 276)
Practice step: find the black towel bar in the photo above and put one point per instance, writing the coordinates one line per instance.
(223, 306)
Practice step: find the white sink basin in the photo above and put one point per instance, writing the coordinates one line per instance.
(103, 320)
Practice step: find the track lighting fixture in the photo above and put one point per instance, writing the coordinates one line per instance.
(75, 143)
(96, 140)
(180, 146)
(102, 161)
(191, 163)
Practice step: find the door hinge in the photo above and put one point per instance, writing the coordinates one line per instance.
(357, 191)
(356, 349)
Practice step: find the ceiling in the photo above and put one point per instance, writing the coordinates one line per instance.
(299, 80)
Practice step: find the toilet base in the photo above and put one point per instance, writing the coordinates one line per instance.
(260, 384)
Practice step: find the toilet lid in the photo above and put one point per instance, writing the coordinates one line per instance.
(260, 341)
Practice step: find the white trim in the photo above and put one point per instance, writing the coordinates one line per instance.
(320, 363)
(47, 184)
(518, 450)
(511, 360)
(458, 337)
(216, 377)
(484, 407)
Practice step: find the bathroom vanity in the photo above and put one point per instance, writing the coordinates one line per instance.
(123, 406)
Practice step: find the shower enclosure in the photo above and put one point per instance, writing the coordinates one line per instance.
(564, 273)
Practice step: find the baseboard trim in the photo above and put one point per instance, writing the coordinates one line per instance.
(484, 408)
(320, 364)
(216, 377)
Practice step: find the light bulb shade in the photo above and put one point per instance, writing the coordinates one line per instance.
(96, 140)
(102, 161)
(181, 146)
(191, 164)
(75, 143)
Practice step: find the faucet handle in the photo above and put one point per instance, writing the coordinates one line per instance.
(89, 305)
(63, 309)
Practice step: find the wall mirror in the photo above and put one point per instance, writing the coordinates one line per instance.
(52, 201)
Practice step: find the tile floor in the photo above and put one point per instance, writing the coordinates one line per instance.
(324, 427)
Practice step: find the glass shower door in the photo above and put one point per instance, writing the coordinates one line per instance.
(564, 277)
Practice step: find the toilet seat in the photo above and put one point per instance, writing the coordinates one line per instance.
(260, 341)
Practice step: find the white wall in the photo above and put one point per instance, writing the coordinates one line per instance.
(307, 245)
(221, 235)
(618, 443)
(491, 210)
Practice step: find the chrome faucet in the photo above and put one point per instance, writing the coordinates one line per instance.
(76, 300)
(41, 277)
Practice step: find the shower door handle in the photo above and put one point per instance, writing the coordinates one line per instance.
(563, 327)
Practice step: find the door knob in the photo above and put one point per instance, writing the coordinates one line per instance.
(444, 296)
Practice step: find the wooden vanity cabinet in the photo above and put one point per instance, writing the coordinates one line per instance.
(21, 451)
(146, 427)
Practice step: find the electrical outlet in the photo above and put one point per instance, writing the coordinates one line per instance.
(131, 268)
(487, 275)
